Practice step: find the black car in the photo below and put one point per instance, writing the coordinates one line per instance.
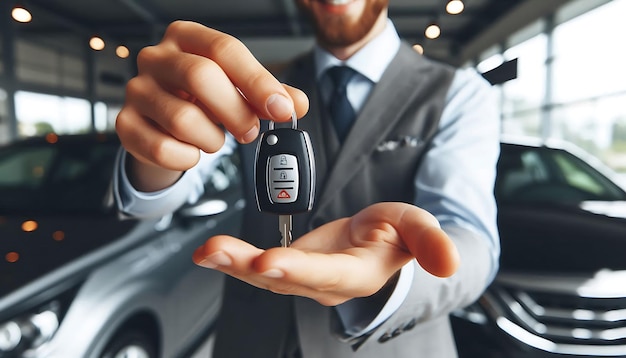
(561, 288)
(77, 281)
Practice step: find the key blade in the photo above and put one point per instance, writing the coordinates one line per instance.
(284, 226)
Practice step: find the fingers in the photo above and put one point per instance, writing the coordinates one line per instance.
(328, 273)
(346, 258)
(410, 229)
(265, 94)
(299, 98)
(284, 270)
(433, 249)
(150, 144)
(227, 254)
(196, 83)
(184, 120)
(204, 80)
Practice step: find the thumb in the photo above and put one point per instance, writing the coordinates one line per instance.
(428, 243)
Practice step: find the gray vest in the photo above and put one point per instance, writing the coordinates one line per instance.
(378, 162)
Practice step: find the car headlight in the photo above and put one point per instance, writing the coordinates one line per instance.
(24, 334)
(29, 331)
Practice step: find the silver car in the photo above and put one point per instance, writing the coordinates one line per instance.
(76, 281)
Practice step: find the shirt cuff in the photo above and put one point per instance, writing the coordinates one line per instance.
(187, 189)
(354, 313)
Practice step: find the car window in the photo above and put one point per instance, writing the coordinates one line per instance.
(540, 174)
(580, 175)
(575, 175)
(519, 168)
(56, 178)
(25, 168)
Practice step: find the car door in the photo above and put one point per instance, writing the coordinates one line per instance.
(196, 296)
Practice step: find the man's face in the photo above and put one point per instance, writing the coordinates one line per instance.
(341, 23)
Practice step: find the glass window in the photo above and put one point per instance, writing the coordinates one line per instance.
(38, 114)
(597, 125)
(528, 89)
(524, 123)
(106, 115)
(489, 63)
(589, 62)
(49, 67)
(587, 80)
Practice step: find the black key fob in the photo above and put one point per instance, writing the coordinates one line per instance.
(284, 171)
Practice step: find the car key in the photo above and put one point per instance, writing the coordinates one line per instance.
(285, 175)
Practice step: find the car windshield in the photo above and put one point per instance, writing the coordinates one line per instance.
(548, 175)
(63, 177)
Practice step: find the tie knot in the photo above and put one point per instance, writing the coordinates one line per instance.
(341, 75)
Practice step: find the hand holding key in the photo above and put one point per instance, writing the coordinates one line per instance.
(193, 85)
(197, 82)
(346, 258)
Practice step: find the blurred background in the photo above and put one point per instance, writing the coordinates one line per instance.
(75, 281)
(569, 83)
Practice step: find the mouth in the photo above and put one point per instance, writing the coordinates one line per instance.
(335, 2)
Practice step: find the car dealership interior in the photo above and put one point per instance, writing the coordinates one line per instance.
(76, 280)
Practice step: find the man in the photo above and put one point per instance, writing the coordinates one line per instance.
(403, 227)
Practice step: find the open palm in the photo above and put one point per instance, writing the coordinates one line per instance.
(346, 258)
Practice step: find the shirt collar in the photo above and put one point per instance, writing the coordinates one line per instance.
(370, 61)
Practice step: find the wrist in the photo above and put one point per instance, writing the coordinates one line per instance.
(146, 177)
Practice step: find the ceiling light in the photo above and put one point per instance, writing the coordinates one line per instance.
(455, 7)
(96, 43)
(12, 257)
(20, 14)
(418, 48)
(122, 51)
(432, 31)
(29, 225)
(58, 235)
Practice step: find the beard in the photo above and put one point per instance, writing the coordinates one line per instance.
(340, 31)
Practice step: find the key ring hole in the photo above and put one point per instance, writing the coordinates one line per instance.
(294, 122)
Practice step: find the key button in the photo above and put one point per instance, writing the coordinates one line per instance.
(272, 139)
(283, 178)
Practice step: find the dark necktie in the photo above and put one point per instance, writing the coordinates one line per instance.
(341, 111)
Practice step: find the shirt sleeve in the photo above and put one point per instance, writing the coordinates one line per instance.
(188, 189)
(455, 184)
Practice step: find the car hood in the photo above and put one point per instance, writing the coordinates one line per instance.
(547, 238)
(32, 246)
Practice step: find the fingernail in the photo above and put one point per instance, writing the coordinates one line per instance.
(216, 259)
(279, 107)
(273, 273)
(250, 135)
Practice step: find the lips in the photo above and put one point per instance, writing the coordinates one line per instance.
(335, 2)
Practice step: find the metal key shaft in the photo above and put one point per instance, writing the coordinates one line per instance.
(285, 226)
